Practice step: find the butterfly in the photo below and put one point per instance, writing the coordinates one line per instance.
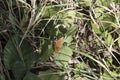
(58, 45)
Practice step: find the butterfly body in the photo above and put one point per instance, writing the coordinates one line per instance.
(58, 45)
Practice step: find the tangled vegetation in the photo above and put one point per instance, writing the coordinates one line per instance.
(60, 39)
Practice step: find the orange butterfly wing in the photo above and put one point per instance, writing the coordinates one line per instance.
(58, 44)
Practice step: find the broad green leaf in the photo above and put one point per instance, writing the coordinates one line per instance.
(109, 18)
(47, 51)
(62, 58)
(110, 60)
(69, 17)
(103, 2)
(71, 14)
(99, 13)
(110, 23)
(105, 34)
(28, 54)
(31, 76)
(13, 53)
(81, 65)
(71, 30)
(68, 39)
(49, 11)
(109, 39)
(18, 59)
(106, 76)
(19, 70)
(98, 42)
(95, 28)
(116, 73)
(68, 21)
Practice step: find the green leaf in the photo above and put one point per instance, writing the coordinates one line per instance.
(18, 59)
(108, 22)
(109, 39)
(103, 2)
(47, 50)
(31, 76)
(98, 42)
(81, 65)
(95, 28)
(68, 21)
(28, 54)
(64, 56)
(69, 17)
(18, 70)
(71, 14)
(106, 76)
(49, 11)
(99, 13)
(71, 30)
(13, 53)
(68, 39)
